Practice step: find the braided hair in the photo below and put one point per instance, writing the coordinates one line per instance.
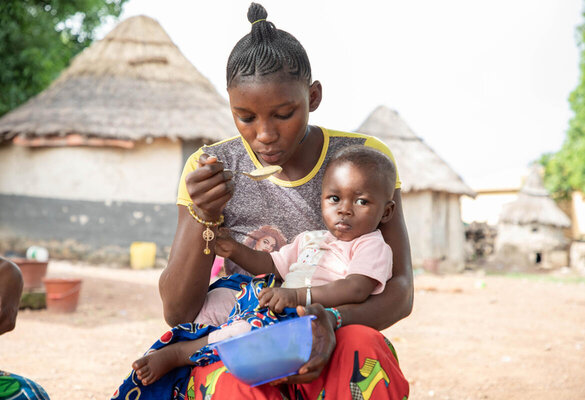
(266, 50)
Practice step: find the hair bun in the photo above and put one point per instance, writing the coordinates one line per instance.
(256, 12)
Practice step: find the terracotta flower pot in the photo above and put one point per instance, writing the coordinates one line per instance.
(62, 294)
(33, 272)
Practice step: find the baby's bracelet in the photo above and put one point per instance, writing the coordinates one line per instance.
(208, 234)
(337, 316)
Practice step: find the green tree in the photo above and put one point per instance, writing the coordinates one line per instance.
(39, 37)
(565, 169)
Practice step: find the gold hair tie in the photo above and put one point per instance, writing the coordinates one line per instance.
(208, 234)
(258, 20)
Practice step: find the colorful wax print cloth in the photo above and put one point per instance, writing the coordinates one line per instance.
(173, 385)
(16, 387)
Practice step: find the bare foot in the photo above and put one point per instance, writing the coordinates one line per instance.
(153, 366)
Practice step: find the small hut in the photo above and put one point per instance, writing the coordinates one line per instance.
(530, 229)
(431, 191)
(94, 160)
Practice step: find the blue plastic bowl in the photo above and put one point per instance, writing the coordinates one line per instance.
(268, 353)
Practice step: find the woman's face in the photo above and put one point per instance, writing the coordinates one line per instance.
(265, 243)
(353, 201)
(272, 114)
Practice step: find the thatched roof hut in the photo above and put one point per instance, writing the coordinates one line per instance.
(420, 168)
(530, 229)
(133, 84)
(534, 205)
(430, 191)
(94, 160)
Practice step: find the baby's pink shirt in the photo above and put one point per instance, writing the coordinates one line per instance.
(324, 259)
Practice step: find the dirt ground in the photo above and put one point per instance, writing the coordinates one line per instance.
(470, 336)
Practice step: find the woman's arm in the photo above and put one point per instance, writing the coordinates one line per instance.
(397, 298)
(183, 283)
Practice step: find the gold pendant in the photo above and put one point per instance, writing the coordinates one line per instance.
(208, 236)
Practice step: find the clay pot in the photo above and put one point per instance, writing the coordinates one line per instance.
(33, 272)
(62, 294)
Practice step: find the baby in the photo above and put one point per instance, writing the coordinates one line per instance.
(341, 265)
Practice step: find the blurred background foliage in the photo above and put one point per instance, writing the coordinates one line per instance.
(38, 38)
(564, 171)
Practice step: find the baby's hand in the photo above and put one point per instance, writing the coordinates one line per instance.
(225, 245)
(278, 298)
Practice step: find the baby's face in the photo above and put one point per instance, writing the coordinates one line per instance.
(353, 201)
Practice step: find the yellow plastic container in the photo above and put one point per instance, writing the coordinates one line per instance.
(142, 255)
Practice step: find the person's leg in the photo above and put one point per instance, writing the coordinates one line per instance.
(155, 364)
(362, 366)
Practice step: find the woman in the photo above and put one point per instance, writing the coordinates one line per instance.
(271, 95)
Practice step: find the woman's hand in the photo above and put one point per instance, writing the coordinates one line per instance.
(210, 187)
(323, 345)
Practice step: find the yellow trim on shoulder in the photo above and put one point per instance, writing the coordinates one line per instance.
(371, 141)
(377, 144)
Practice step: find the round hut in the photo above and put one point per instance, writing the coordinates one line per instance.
(530, 229)
(431, 191)
(94, 160)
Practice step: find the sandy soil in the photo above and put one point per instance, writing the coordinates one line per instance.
(469, 336)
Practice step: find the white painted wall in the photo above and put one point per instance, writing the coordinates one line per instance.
(530, 238)
(456, 234)
(435, 228)
(148, 173)
(418, 216)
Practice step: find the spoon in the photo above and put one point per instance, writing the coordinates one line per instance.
(261, 173)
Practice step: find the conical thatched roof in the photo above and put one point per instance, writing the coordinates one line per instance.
(419, 167)
(135, 83)
(534, 205)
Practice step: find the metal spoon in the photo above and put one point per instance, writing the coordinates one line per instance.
(261, 173)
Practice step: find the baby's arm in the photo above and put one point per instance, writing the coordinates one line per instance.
(254, 261)
(353, 289)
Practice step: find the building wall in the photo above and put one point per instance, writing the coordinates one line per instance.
(418, 216)
(456, 234)
(531, 245)
(531, 237)
(435, 229)
(91, 198)
(147, 173)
